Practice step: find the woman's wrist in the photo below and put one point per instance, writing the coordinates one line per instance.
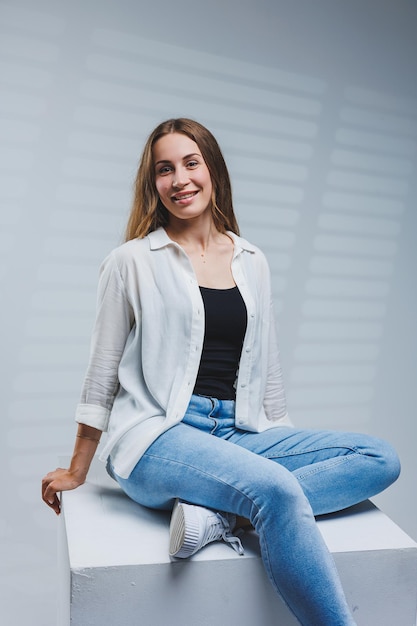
(96, 439)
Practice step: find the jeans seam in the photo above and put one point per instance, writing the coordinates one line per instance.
(309, 450)
(329, 464)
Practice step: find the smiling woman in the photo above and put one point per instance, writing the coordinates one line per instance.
(148, 211)
(185, 377)
(184, 186)
(182, 178)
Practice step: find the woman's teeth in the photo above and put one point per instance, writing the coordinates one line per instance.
(185, 196)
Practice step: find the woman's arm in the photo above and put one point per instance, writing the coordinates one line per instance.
(274, 399)
(113, 322)
(86, 442)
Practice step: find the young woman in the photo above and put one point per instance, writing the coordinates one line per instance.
(185, 377)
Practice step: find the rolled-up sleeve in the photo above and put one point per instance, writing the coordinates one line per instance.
(113, 323)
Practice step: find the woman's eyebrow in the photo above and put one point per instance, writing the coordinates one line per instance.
(187, 156)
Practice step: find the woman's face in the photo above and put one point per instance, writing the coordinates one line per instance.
(182, 177)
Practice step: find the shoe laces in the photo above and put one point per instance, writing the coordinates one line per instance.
(219, 528)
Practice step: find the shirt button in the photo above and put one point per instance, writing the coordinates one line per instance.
(241, 422)
(243, 385)
(247, 349)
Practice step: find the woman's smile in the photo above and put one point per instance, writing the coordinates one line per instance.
(182, 198)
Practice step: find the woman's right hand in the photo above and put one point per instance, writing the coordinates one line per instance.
(57, 481)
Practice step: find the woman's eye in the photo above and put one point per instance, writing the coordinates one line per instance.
(192, 163)
(164, 170)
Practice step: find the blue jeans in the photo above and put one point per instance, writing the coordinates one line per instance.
(279, 480)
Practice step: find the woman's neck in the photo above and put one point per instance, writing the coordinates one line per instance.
(198, 237)
(210, 253)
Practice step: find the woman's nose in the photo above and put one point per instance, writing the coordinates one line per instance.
(179, 179)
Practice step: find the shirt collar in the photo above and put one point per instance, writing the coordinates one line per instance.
(159, 239)
(241, 243)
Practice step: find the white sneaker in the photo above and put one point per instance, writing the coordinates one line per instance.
(193, 527)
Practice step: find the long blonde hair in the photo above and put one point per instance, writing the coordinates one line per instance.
(148, 213)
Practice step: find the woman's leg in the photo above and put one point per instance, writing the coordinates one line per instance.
(335, 469)
(192, 465)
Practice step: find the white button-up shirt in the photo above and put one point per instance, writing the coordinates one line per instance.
(147, 342)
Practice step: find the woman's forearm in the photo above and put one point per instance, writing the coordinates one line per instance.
(86, 442)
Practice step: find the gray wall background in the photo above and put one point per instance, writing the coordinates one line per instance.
(315, 107)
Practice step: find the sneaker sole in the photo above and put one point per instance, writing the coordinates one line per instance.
(183, 532)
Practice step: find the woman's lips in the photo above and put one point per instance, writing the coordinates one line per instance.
(180, 197)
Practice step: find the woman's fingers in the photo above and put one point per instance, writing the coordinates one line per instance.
(50, 488)
(57, 481)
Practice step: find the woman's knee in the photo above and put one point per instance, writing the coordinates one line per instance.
(392, 462)
(279, 490)
(388, 460)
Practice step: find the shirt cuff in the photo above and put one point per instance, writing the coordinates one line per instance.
(93, 415)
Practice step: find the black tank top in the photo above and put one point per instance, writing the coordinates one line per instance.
(225, 327)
